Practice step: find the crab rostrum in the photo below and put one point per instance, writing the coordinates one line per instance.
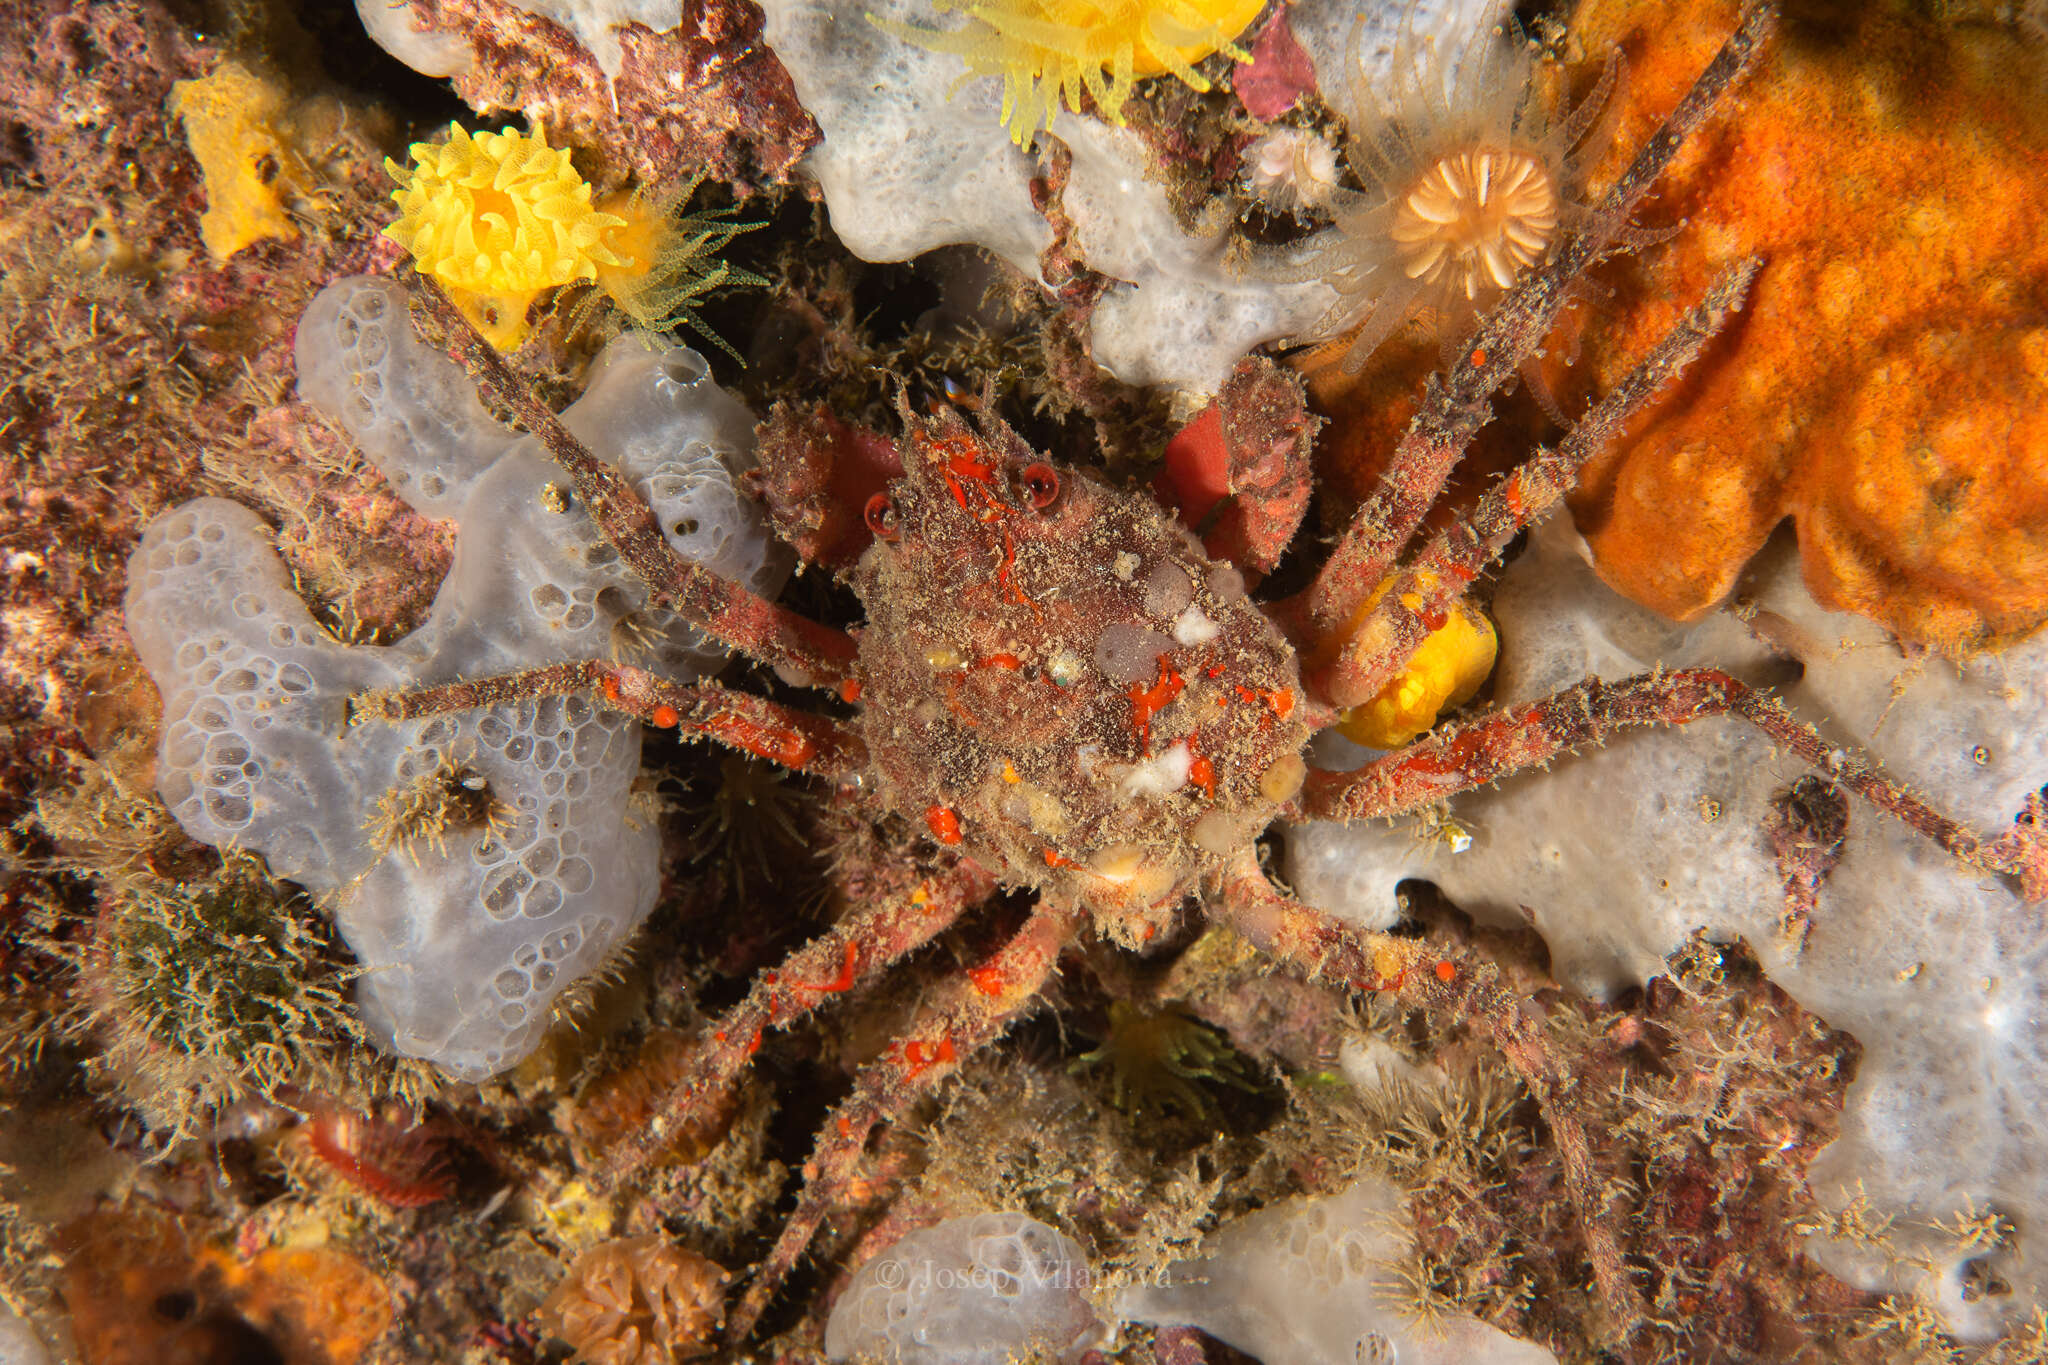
(1058, 687)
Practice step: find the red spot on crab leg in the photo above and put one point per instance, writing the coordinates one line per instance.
(843, 981)
(868, 940)
(767, 729)
(790, 748)
(958, 1018)
(920, 1057)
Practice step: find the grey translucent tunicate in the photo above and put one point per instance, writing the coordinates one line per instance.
(980, 1290)
(465, 941)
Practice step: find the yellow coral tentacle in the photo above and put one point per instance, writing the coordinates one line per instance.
(1049, 52)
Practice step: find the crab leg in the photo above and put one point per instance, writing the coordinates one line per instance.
(1368, 657)
(860, 947)
(1534, 733)
(1457, 405)
(1450, 987)
(756, 627)
(959, 1018)
(782, 734)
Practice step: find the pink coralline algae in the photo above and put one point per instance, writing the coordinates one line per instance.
(1278, 75)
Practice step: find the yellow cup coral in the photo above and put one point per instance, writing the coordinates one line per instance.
(1453, 662)
(501, 218)
(498, 219)
(1050, 52)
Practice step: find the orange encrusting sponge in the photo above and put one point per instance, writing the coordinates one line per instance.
(1887, 385)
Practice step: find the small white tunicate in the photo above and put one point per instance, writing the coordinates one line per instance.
(431, 51)
(1225, 584)
(1191, 627)
(1168, 588)
(1218, 833)
(1315, 1281)
(1129, 654)
(1291, 169)
(1159, 774)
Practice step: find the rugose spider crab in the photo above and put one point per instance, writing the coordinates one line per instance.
(1072, 699)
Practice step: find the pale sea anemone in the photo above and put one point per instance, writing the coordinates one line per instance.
(1469, 177)
(1291, 170)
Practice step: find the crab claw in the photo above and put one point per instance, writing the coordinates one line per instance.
(1239, 472)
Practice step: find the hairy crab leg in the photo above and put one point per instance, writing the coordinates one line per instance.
(1456, 405)
(1507, 741)
(818, 654)
(958, 1018)
(1368, 657)
(782, 734)
(1450, 987)
(871, 938)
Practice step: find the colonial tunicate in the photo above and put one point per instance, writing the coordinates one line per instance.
(477, 862)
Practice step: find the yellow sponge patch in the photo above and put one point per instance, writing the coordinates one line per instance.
(231, 122)
(1446, 671)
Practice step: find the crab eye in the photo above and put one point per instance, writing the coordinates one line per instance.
(1041, 484)
(881, 516)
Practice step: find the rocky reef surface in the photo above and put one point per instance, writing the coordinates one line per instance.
(333, 1031)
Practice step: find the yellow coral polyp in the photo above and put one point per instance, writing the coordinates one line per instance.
(500, 218)
(1053, 52)
(1449, 668)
